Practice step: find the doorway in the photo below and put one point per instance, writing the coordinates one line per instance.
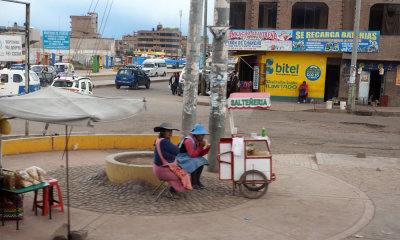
(375, 86)
(332, 82)
(245, 71)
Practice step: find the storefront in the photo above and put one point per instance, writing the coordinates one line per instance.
(378, 82)
(279, 61)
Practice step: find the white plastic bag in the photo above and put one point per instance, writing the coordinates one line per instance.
(237, 146)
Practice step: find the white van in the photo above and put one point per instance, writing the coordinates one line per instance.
(12, 82)
(155, 67)
(64, 67)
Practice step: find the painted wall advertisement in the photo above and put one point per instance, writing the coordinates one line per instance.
(334, 41)
(260, 40)
(10, 48)
(285, 73)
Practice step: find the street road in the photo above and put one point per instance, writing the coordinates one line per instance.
(290, 132)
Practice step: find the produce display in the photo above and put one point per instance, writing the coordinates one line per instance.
(24, 178)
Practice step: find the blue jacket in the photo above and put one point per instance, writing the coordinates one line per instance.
(169, 152)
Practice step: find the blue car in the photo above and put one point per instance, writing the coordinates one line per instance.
(131, 77)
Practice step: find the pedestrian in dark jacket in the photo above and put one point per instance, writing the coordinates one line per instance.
(173, 82)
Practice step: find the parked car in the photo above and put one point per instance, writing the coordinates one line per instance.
(45, 73)
(155, 67)
(134, 66)
(131, 77)
(81, 85)
(13, 82)
(64, 67)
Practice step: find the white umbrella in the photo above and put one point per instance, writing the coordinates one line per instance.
(58, 106)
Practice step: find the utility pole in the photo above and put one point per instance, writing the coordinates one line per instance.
(27, 55)
(205, 43)
(27, 66)
(353, 67)
(192, 67)
(218, 79)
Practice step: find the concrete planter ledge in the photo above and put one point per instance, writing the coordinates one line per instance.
(120, 172)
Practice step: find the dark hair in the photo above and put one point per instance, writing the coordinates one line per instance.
(304, 81)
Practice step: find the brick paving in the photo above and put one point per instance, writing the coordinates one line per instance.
(91, 190)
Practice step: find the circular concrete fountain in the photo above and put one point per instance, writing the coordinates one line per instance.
(122, 167)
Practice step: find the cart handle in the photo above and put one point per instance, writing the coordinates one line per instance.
(219, 155)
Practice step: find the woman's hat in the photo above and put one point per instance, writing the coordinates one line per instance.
(198, 129)
(164, 126)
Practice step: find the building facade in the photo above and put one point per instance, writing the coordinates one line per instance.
(84, 26)
(378, 78)
(167, 40)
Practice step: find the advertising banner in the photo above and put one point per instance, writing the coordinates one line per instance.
(334, 41)
(260, 40)
(56, 40)
(10, 48)
(256, 76)
(285, 72)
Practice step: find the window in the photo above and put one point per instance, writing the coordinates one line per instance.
(385, 18)
(310, 15)
(90, 86)
(267, 15)
(256, 149)
(237, 15)
(4, 78)
(125, 72)
(17, 78)
(62, 84)
(83, 85)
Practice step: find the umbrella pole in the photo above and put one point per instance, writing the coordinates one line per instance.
(1, 151)
(67, 174)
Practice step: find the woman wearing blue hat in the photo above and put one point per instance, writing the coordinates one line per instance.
(192, 149)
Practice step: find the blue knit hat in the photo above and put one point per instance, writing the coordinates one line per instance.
(198, 129)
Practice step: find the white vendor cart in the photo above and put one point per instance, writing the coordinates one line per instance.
(246, 162)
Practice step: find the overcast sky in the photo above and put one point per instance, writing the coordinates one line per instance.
(126, 16)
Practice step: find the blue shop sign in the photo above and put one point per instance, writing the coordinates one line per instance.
(334, 41)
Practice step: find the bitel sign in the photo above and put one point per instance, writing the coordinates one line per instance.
(56, 40)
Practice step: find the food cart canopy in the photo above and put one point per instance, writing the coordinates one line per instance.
(59, 106)
(249, 101)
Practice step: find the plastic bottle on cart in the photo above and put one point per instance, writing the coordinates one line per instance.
(263, 132)
(12, 181)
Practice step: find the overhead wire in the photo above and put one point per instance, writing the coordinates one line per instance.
(80, 40)
(103, 24)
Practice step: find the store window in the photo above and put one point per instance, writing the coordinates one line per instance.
(385, 18)
(237, 15)
(307, 15)
(267, 15)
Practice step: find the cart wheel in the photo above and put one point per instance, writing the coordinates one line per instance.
(253, 184)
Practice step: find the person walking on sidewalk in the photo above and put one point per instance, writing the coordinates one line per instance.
(303, 92)
(192, 149)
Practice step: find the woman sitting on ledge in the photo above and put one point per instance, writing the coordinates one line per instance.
(193, 148)
(169, 152)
